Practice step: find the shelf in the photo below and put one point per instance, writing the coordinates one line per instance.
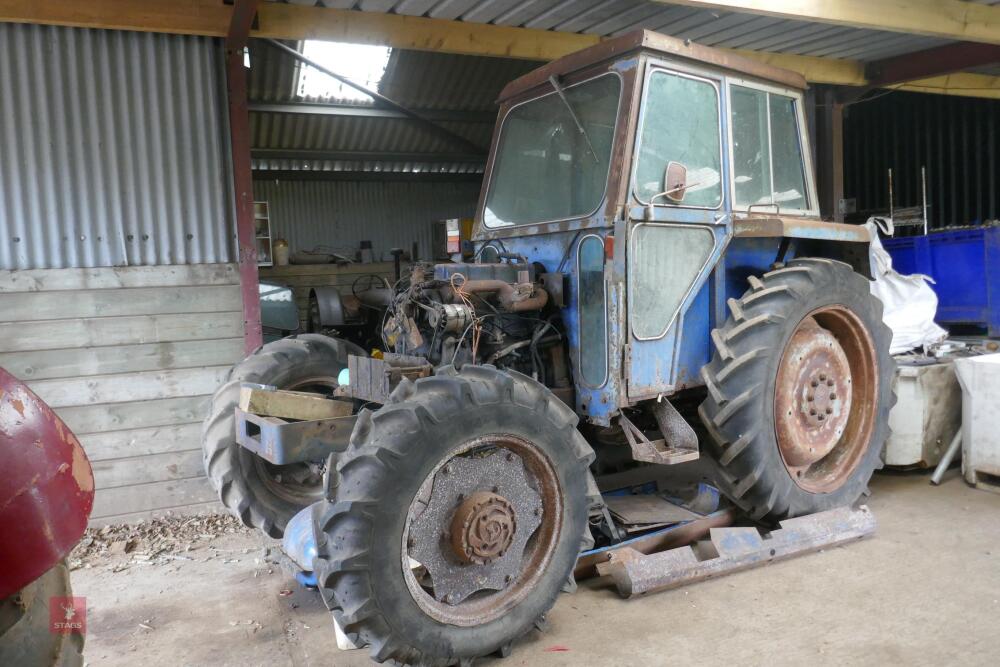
(262, 233)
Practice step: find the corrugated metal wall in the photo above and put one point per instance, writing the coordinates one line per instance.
(954, 137)
(112, 149)
(342, 214)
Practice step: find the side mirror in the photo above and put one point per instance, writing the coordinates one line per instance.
(675, 181)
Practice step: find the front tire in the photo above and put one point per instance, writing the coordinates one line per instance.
(799, 391)
(262, 495)
(491, 432)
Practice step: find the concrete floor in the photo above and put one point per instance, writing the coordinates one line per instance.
(925, 590)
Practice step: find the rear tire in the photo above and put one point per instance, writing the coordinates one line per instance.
(248, 486)
(393, 454)
(762, 430)
(25, 635)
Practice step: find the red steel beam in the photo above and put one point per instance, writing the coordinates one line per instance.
(940, 60)
(244, 12)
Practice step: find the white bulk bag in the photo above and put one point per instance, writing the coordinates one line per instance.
(909, 302)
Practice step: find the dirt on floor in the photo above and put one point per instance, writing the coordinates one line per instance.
(925, 590)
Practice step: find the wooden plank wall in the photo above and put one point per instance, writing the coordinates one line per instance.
(302, 277)
(129, 358)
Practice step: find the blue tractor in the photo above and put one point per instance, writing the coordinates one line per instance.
(651, 284)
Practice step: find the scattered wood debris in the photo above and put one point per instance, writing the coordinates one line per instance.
(158, 541)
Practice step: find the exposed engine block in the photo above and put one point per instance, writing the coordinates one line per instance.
(474, 313)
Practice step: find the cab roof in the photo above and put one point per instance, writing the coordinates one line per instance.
(654, 43)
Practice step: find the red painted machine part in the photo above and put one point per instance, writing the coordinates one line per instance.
(46, 487)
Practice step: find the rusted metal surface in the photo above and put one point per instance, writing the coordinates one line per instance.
(659, 451)
(799, 228)
(492, 529)
(46, 488)
(483, 528)
(244, 12)
(734, 549)
(827, 382)
(944, 59)
(660, 44)
(814, 387)
(669, 538)
(484, 522)
(374, 379)
(284, 442)
(510, 299)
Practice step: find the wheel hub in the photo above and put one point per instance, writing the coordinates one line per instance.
(815, 386)
(472, 534)
(483, 528)
(825, 397)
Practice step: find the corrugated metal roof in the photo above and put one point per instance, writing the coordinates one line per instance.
(112, 149)
(273, 74)
(291, 130)
(710, 27)
(423, 80)
(427, 80)
(418, 80)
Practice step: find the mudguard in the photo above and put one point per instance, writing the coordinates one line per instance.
(331, 309)
(46, 488)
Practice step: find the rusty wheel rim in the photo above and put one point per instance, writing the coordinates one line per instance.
(485, 520)
(298, 483)
(826, 384)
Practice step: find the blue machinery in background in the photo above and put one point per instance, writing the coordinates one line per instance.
(965, 266)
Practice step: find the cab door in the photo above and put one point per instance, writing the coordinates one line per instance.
(675, 234)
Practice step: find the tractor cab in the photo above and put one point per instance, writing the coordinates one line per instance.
(632, 166)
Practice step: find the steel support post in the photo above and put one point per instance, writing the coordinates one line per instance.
(239, 130)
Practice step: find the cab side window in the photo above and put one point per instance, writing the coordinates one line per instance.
(767, 155)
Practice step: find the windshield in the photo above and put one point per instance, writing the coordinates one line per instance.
(546, 168)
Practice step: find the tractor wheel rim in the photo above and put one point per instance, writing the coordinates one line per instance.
(826, 385)
(297, 483)
(481, 530)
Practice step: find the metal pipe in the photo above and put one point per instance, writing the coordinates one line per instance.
(946, 460)
(891, 207)
(382, 99)
(507, 295)
(923, 194)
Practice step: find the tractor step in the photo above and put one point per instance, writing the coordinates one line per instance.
(679, 443)
(732, 549)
